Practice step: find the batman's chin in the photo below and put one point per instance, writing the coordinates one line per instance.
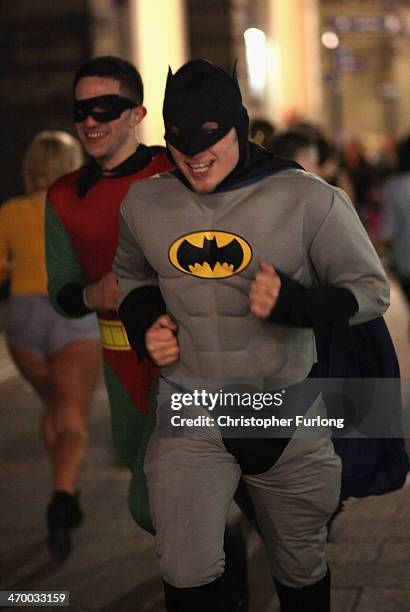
(204, 270)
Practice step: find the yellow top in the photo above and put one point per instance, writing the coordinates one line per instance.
(22, 249)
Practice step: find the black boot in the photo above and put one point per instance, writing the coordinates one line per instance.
(206, 598)
(63, 514)
(313, 598)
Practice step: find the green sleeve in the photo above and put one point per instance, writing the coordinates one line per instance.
(63, 266)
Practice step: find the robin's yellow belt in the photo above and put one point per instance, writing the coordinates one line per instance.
(113, 335)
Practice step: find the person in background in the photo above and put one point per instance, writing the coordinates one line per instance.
(331, 169)
(296, 146)
(59, 358)
(356, 164)
(261, 131)
(395, 219)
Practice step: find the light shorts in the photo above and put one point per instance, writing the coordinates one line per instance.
(33, 323)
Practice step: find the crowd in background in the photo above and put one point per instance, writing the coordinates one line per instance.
(348, 166)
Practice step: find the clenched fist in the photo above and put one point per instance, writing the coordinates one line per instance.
(264, 290)
(161, 342)
(104, 294)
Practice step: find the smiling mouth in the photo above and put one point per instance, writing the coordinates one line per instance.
(199, 168)
(95, 135)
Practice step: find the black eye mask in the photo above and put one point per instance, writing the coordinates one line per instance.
(192, 140)
(186, 129)
(101, 108)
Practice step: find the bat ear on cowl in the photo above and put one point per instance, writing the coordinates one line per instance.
(169, 75)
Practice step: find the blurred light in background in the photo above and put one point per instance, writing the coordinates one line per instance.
(330, 39)
(392, 24)
(255, 45)
(159, 40)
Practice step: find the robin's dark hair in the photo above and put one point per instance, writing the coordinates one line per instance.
(121, 70)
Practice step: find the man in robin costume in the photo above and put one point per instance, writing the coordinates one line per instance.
(231, 261)
(81, 239)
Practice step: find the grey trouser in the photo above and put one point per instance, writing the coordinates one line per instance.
(192, 482)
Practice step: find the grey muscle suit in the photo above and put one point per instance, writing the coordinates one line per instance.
(310, 231)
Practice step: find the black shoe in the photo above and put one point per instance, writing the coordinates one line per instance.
(63, 514)
(59, 543)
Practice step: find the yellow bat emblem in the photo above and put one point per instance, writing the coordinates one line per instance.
(210, 254)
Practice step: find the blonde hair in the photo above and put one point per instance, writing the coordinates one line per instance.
(50, 155)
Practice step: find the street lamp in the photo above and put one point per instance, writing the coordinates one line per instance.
(330, 39)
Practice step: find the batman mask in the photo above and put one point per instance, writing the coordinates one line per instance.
(101, 108)
(199, 93)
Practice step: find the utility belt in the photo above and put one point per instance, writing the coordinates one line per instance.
(113, 335)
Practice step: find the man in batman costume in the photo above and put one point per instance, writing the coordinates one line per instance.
(206, 314)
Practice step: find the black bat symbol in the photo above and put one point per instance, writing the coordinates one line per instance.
(211, 253)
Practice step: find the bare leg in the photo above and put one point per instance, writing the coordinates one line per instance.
(74, 372)
(36, 370)
(65, 383)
